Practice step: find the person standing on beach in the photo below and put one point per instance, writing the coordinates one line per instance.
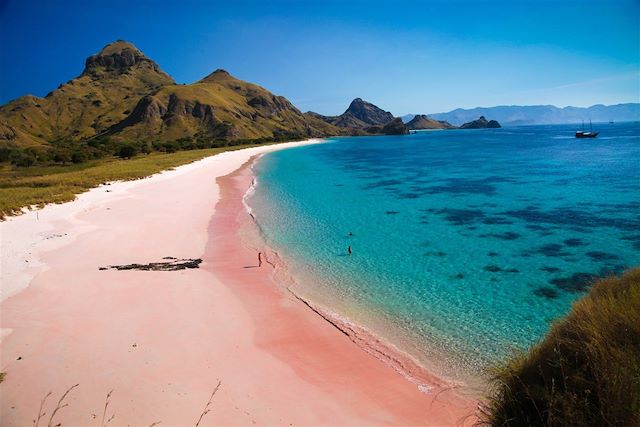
(259, 259)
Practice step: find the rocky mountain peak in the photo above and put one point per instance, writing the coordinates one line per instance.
(368, 113)
(218, 74)
(118, 57)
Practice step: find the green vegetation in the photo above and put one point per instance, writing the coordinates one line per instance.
(586, 371)
(57, 183)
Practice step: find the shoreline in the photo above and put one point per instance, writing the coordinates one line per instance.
(162, 340)
(416, 383)
(376, 345)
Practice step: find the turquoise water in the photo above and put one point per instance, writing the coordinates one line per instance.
(466, 244)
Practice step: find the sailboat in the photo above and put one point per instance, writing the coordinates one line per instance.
(583, 134)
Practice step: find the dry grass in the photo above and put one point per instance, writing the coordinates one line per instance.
(60, 405)
(206, 409)
(37, 186)
(107, 400)
(586, 371)
(104, 421)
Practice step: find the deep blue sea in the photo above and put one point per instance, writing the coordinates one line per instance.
(466, 243)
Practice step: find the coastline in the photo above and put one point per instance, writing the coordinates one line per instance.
(162, 340)
(379, 347)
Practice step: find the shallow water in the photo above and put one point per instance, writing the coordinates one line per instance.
(466, 243)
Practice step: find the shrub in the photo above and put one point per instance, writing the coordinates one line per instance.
(23, 159)
(78, 157)
(586, 371)
(61, 155)
(127, 151)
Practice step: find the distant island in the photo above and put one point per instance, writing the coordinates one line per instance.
(481, 123)
(421, 121)
(513, 115)
(363, 118)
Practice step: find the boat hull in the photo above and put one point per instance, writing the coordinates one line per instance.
(586, 134)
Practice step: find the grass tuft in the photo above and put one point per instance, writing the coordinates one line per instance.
(206, 409)
(586, 371)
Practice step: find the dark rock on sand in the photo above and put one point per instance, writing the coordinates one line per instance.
(172, 265)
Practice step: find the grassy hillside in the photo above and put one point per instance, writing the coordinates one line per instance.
(20, 187)
(585, 372)
(104, 94)
(218, 106)
(125, 97)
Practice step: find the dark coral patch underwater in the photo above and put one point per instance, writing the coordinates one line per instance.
(577, 282)
(495, 269)
(507, 235)
(546, 292)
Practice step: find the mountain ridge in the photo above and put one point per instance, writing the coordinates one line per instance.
(124, 95)
(510, 115)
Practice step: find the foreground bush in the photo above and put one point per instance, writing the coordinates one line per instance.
(585, 372)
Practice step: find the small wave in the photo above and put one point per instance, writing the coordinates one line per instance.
(252, 189)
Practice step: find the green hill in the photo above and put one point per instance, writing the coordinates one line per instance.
(218, 106)
(124, 95)
(107, 90)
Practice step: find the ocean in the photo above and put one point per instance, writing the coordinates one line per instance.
(466, 244)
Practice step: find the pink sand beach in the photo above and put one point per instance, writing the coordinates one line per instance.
(163, 340)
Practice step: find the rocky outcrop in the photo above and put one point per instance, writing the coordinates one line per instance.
(422, 121)
(179, 107)
(359, 116)
(366, 113)
(121, 57)
(395, 127)
(481, 123)
(148, 108)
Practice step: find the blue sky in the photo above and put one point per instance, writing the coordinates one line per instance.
(406, 57)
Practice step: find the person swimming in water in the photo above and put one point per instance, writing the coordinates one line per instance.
(349, 250)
